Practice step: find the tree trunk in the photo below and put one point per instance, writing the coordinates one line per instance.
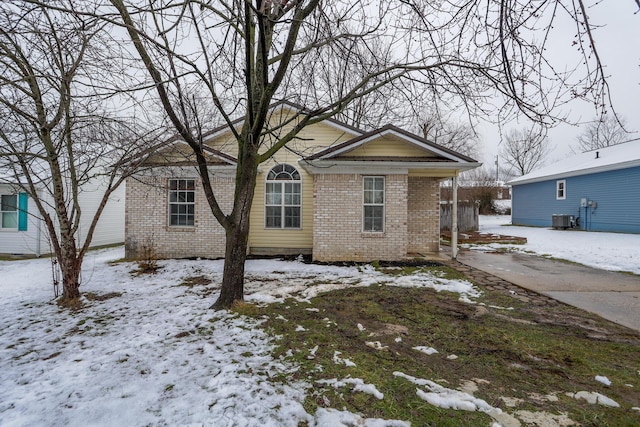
(70, 265)
(70, 268)
(233, 276)
(237, 234)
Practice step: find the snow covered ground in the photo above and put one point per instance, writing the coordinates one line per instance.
(607, 251)
(154, 354)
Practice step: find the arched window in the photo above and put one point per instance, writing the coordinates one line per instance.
(282, 198)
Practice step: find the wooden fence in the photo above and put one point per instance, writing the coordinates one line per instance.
(467, 216)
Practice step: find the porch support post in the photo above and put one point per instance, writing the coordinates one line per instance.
(454, 218)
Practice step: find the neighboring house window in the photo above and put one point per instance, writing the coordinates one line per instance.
(561, 189)
(181, 202)
(373, 206)
(283, 198)
(9, 211)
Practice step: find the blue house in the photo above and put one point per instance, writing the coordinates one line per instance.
(595, 191)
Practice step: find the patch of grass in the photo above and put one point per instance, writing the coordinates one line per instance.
(53, 355)
(145, 268)
(526, 353)
(445, 272)
(91, 296)
(244, 308)
(73, 304)
(195, 281)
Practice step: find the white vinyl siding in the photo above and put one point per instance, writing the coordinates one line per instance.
(373, 204)
(9, 212)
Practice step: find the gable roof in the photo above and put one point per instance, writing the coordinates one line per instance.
(170, 151)
(176, 152)
(441, 154)
(279, 106)
(423, 153)
(620, 156)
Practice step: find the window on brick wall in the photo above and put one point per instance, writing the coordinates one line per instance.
(283, 202)
(181, 202)
(373, 204)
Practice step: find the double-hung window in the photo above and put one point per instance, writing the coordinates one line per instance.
(9, 211)
(181, 202)
(561, 189)
(283, 198)
(373, 204)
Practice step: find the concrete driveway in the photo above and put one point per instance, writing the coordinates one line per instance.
(613, 296)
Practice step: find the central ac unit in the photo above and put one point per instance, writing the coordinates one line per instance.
(562, 221)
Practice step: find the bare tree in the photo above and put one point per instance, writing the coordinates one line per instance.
(603, 132)
(333, 76)
(481, 187)
(456, 136)
(524, 149)
(243, 54)
(55, 136)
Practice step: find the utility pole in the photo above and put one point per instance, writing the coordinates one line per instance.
(497, 170)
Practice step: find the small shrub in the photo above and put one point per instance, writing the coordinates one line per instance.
(148, 260)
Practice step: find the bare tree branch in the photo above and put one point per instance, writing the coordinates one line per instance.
(481, 58)
(603, 132)
(525, 149)
(56, 135)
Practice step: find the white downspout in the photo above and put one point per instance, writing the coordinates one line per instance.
(454, 218)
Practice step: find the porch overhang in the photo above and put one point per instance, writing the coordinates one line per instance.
(437, 169)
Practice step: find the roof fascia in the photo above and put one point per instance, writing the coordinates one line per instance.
(391, 130)
(190, 171)
(220, 155)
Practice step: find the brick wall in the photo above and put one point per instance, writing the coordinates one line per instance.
(411, 219)
(147, 220)
(424, 215)
(337, 228)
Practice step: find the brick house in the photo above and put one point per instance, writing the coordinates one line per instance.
(336, 192)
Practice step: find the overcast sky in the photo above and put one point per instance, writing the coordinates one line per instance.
(618, 44)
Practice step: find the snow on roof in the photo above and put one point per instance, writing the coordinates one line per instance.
(621, 156)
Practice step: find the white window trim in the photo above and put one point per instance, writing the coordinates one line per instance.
(282, 205)
(169, 203)
(564, 189)
(384, 204)
(16, 212)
